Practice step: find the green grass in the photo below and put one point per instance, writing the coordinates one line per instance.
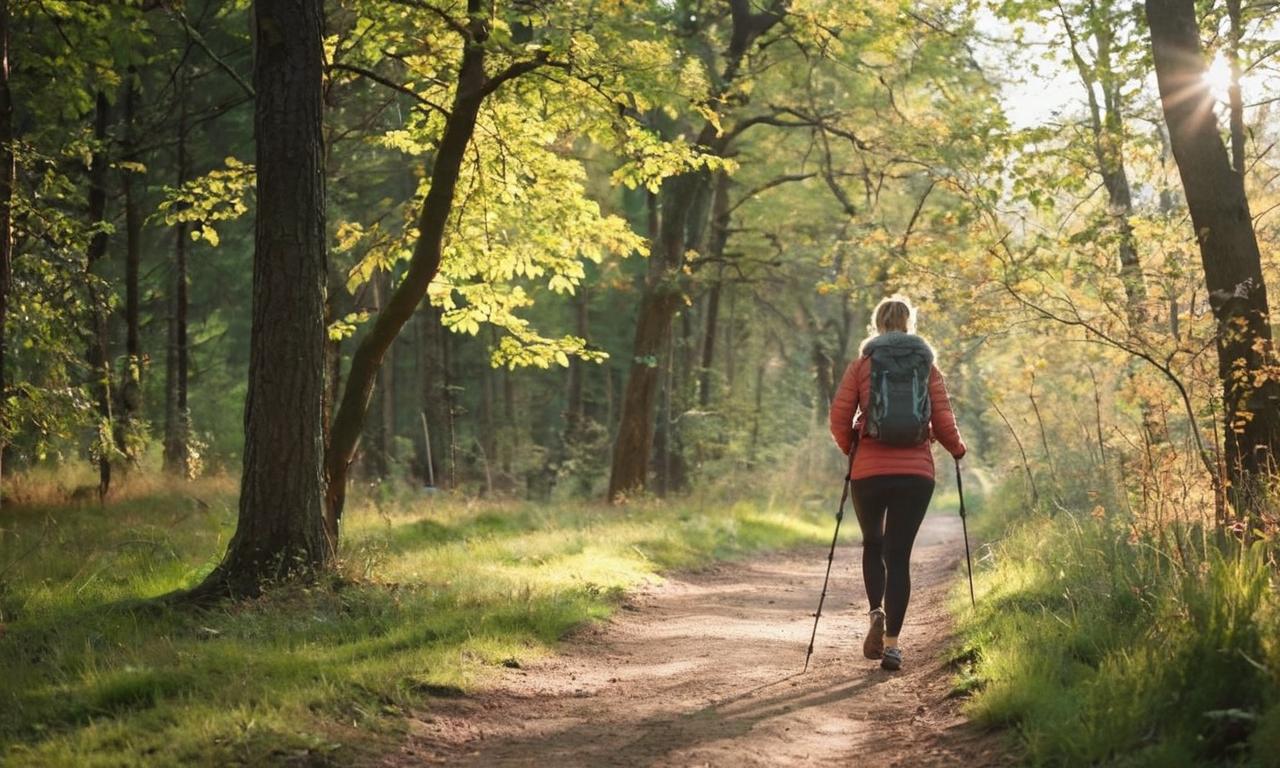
(1100, 647)
(434, 595)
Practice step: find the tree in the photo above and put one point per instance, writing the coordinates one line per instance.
(473, 86)
(99, 356)
(521, 192)
(684, 210)
(177, 426)
(8, 173)
(130, 394)
(280, 531)
(1229, 251)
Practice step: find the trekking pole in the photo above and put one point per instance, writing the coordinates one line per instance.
(964, 526)
(844, 495)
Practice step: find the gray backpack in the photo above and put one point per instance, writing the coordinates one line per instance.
(900, 408)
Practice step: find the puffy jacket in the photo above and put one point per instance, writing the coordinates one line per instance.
(875, 458)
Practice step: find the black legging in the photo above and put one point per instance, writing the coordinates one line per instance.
(890, 509)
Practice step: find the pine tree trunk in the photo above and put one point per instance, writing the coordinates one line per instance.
(450, 408)
(432, 398)
(510, 432)
(280, 532)
(575, 413)
(720, 218)
(387, 393)
(487, 435)
(8, 179)
(131, 377)
(175, 412)
(1228, 251)
(99, 356)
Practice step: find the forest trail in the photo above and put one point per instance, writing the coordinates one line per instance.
(703, 670)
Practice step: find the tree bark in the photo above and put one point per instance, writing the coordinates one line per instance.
(280, 532)
(1228, 251)
(8, 179)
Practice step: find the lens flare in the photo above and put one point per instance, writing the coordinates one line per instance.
(1218, 78)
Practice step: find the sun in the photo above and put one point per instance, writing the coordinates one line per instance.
(1218, 78)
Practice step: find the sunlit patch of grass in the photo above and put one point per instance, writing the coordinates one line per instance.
(433, 595)
(1101, 648)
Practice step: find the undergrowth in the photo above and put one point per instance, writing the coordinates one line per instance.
(1101, 645)
(432, 594)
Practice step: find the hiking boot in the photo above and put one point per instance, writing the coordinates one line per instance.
(873, 645)
(892, 659)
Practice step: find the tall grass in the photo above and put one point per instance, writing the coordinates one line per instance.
(1102, 642)
(433, 594)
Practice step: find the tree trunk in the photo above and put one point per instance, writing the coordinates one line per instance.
(1109, 136)
(730, 345)
(1234, 97)
(176, 426)
(1106, 124)
(387, 387)
(575, 412)
(432, 404)
(280, 532)
(658, 303)
(708, 359)
(719, 238)
(376, 457)
(1228, 251)
(131, 377)
(450, 411)
(99, 356)
(510, 431)
(473, 85)
(8, 179)
(333, 309)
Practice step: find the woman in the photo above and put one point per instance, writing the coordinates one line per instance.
(892, 483)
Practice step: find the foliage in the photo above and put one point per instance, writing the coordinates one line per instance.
(1104, 645)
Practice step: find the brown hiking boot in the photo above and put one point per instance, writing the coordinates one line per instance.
(873, 645)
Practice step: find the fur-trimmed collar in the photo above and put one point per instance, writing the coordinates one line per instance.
(899, 342)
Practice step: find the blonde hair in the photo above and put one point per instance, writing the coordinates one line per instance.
(893, 314)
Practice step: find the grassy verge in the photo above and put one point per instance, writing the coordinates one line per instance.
(437, 592)
(1100, 646)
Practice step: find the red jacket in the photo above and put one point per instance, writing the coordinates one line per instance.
(874, 458)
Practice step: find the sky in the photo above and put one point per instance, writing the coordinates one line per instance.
(1042, 97)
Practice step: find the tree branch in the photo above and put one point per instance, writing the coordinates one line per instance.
(198, 39)
(389, 83)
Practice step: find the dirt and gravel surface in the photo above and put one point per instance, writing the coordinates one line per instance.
(704, 670)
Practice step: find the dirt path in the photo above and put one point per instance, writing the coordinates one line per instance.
(702, 670)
